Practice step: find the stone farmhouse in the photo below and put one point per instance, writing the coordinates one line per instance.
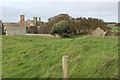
(22, 27)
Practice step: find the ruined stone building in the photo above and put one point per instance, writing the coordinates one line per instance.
(99, 32)
(22, 27)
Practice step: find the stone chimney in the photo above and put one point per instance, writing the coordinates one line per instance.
(22, 20)
(39, 19)
(35, 21)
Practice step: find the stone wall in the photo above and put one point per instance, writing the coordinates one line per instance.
(99, 32)
(15, 30)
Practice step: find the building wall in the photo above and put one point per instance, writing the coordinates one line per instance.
(14, 29)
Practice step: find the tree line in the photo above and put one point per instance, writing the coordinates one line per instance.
(80, 23)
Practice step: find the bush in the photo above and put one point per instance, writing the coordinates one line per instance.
(61, 28)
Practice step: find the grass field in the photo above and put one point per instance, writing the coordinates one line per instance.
(0, 56)
(40, 57)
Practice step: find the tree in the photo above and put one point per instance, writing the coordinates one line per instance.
(81, 24)
(61, 28)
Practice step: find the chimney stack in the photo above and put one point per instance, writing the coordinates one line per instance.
(39, 19)
(35, 21)
(22, 20)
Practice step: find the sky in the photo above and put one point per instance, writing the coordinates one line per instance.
(104, 9)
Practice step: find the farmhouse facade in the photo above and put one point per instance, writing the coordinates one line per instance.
(22, 27)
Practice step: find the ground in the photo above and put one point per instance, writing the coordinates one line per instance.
(41, 57)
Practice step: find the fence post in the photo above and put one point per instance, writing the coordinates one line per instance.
(65, 67)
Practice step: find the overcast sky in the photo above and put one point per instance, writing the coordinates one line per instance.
(12, 9)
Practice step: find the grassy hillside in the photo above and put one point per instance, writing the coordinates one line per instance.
(0, 56)
(40, 57)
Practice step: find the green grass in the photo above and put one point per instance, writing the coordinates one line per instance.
(41, 57)
(114, 28)
(0, 56)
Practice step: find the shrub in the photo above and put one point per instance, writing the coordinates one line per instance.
(61, 28)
